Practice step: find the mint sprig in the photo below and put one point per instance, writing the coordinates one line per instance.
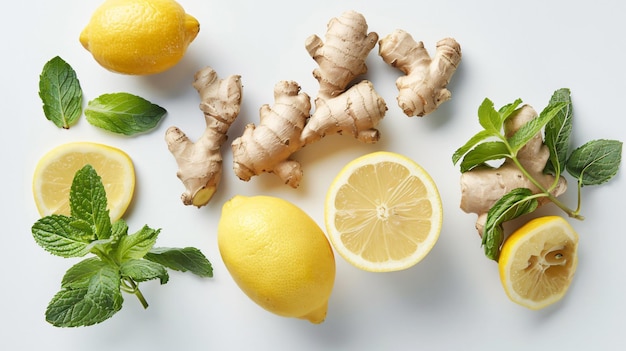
(91, 290)
(593, 163)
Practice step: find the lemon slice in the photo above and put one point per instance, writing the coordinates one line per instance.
(383, 212)
(538, 261)
(55, 172)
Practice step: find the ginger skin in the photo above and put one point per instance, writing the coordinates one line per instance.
(200, 162)
(424, 87)
(482, 187)
(276, 137)
(357, 110)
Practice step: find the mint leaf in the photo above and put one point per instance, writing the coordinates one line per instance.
(60, 92)
(557, 133)
(88, 201)
(80, 274)
(86, 305)
(488, 117)
(142, 270)
(595, 162)
(512, 205)
(487, 151)
(507, 110)
(123, 113)
(56, 235)
(534, 126)
(185, 259)
(137, 245)
(477, 138)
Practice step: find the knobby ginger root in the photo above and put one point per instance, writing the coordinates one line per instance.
(424, 86)
(482, 187)
(200, 162)
(357, 110)
(268, 147)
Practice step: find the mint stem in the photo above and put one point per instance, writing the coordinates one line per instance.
(133, 288)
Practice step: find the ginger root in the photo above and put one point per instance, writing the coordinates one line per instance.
(268, 147)
(200, 162)
(289, 126)
(482, 187)
(424, 87)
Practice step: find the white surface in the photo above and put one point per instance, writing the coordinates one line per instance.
(452, 300)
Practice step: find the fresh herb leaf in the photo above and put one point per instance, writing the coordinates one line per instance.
(56, 235)
(79, 275)
(595, 162)
(60, 92)
(534, 126)
(487, 151)
(557, 133)
(477, 138)
(488, 117)
(136, 245)
(123, 113)
(185, 259)
(141, 270)
(510, 206)
(88, 201)
(86, 305)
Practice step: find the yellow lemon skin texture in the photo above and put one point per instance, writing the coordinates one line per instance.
(277, 255)
(139, 37)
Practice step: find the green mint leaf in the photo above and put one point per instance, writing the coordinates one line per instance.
(88, 201)
(185, 259)
(80, 274)
(86, 305)
(488, 117)
(60, 92)
(557, 133)
(56, 235)
(595, 162)
(123, 113)
(476, 139)
(534, 126)
(507, 110)
(512, 205)
(487, 151)
(137, 245)
(142, 270)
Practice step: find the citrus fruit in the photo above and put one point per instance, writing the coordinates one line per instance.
(538, 261)
(55, 172)
(277, 255)
(139, 36)
(383, 212)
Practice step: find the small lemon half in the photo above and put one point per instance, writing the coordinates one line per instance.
(538, 261)
(55, 172)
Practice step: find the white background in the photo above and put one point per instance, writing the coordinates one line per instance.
(451, 300)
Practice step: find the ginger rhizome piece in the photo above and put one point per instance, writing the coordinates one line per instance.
(338, 109)
(424, 86)
(483, 186)
(268, 147)
(200, 162)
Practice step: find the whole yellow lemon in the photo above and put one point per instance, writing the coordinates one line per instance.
(139, 37)
(277, 255)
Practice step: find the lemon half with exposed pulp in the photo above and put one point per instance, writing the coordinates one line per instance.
(55, 172)
(383, 212)
(139, 36)
(538, 261)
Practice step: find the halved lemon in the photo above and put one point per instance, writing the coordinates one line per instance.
(55, 172)
(383, 212)
(538, 261)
